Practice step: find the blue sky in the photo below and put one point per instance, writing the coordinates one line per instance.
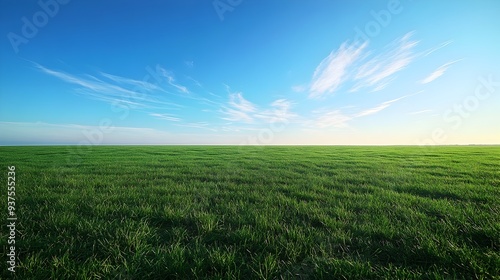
(249, 72)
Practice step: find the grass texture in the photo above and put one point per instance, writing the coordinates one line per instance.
(273, 212)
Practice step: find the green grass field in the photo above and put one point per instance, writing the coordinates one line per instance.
(274, 212)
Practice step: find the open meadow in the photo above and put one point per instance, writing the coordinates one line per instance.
(253, 212)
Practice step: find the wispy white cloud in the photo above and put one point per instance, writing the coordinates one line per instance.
(235, 115)
(437, 73)
(91, 83)
(373, 110)
(237, 101)
(280, 112)
(196, 82)
(362, 68)
(214, 95)
(166, 117)
(238, 109)
(440, 46)
(333, 70)
(434, 75)
(335, 118)
(119, 90)
(169, 76)
(377, 72)
(139, 84)
(378, 108)
(339, 119)
(148, 97)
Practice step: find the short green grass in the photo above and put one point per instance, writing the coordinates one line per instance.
(274, 212)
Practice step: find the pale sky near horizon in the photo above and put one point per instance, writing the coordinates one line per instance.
(358, 72)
